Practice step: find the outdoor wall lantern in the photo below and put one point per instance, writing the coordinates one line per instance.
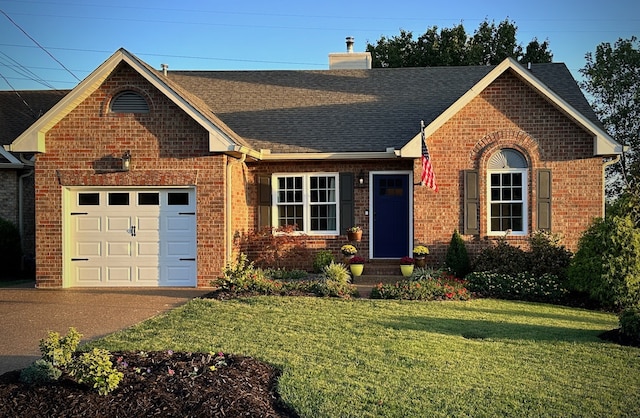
(360, 178)
(126, 160)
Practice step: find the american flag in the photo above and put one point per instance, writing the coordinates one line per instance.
(428, 176)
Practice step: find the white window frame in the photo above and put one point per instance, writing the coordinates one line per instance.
(306, 201)
(525, 201)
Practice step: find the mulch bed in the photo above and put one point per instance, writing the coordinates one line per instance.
(156, 384)
(615, 336)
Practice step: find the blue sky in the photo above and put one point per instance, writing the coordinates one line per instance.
(270, 35)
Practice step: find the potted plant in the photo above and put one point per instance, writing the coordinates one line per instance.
(420, 255)
(348, 251)
(406, 266)
(354, 233)
(356, 265)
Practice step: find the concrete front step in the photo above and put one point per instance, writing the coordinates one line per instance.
(374, 279)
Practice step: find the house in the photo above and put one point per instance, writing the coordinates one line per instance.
(150, 177)
(18, 110)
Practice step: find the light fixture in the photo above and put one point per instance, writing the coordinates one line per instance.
(361, 178)
(126, 160)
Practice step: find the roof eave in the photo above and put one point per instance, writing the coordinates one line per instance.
(267, 155)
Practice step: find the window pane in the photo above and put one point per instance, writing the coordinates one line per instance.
(517, 179)
(506, 179)
(517, 194)
(495, 180)
(118, 199)
(178, 198)
(148, 199)
(506, 194)
(495, 194)
(88, 199)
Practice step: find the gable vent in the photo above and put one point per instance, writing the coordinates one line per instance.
(129, 102)
(507, 158)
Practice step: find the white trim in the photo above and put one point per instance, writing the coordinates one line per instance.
(409, 175)
(306, 201)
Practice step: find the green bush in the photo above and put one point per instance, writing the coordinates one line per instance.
(607, 263)
(96, 369)
(323, 258)
(502, 258)
(630, 324)
(39, 372)
(336, 272)
(521, 286)
(10, 248)
(548, 256)
(457, 258)
(59, 350)
(285, 274)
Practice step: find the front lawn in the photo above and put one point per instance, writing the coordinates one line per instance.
(362, 358)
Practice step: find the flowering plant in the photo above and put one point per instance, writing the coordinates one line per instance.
(348, 249)
(420, 250)
(357, 260)
(406, 261)
(354, 229)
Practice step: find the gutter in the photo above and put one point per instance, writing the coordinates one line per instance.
(229, 207)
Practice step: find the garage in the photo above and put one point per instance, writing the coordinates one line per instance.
(130, 237)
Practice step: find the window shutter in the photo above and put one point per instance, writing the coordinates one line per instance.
(471, 203)
(544, 200)
(347, 211)
(264, 201)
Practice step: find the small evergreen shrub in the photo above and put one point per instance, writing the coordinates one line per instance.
(96, 369)
(547, 255)
(10, 248)
(630, 324)
(40, 372)
(502, 258)
(607, 263)
(457, 258)
(545, 288)
(59, 350)
(323, 258)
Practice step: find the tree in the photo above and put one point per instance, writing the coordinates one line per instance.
(489, 45)
(612, 79)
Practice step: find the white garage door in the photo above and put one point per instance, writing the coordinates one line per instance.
(124, 237)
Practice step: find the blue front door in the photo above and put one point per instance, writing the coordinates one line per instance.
(391, 215)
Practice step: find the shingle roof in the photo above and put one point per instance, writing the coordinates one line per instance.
(16, 116)
(346, 110)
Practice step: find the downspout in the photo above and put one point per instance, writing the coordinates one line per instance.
(604, 170)
(21, 213)
(229, 207)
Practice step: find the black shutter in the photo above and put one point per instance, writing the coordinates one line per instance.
(471, 203)
(264, 201)
(347, 210)
(544, 200)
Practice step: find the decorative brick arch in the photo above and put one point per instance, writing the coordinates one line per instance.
(507, 138)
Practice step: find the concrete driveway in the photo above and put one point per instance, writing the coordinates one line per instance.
(28, 314)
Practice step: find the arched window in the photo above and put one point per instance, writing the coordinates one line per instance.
(129, 101)
(507, 190)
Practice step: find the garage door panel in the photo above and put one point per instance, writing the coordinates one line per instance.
(87, 275)
(180, 223)
(115, 249)
(118, 274)
(88, 249)
(147, 224)
(179, 274)
(150, 274)
(118, 223)
(180, 249)
(148, 248)
(88, 223)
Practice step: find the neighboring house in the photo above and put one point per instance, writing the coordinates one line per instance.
(215, 155)
(18, 110)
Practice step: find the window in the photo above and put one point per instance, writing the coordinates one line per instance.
(507, 193)
(129, 102)
(309, 201)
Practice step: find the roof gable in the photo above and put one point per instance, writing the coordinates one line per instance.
(221, 138)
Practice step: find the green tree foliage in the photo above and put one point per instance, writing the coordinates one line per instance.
(490, 44)
(612, 80)
(607, 264)
(457, 258)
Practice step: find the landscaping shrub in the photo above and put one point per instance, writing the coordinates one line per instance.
(39, 372)
(547, 256)
(457, 258)
(630, 324)
(59, 350)
(96, 369)
(336, 272)
(607, 263)
(285, 274)
(10, 248)
(521, 286)
(502, 258)
(322, 259)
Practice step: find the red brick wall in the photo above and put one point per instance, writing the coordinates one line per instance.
(168, 149)
(509, 114)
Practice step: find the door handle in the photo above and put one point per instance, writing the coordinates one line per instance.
(133, 231)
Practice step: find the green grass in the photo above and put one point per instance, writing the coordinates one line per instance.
(396, 358)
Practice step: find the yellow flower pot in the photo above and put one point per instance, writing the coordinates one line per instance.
(407, 269)
(356, 269)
